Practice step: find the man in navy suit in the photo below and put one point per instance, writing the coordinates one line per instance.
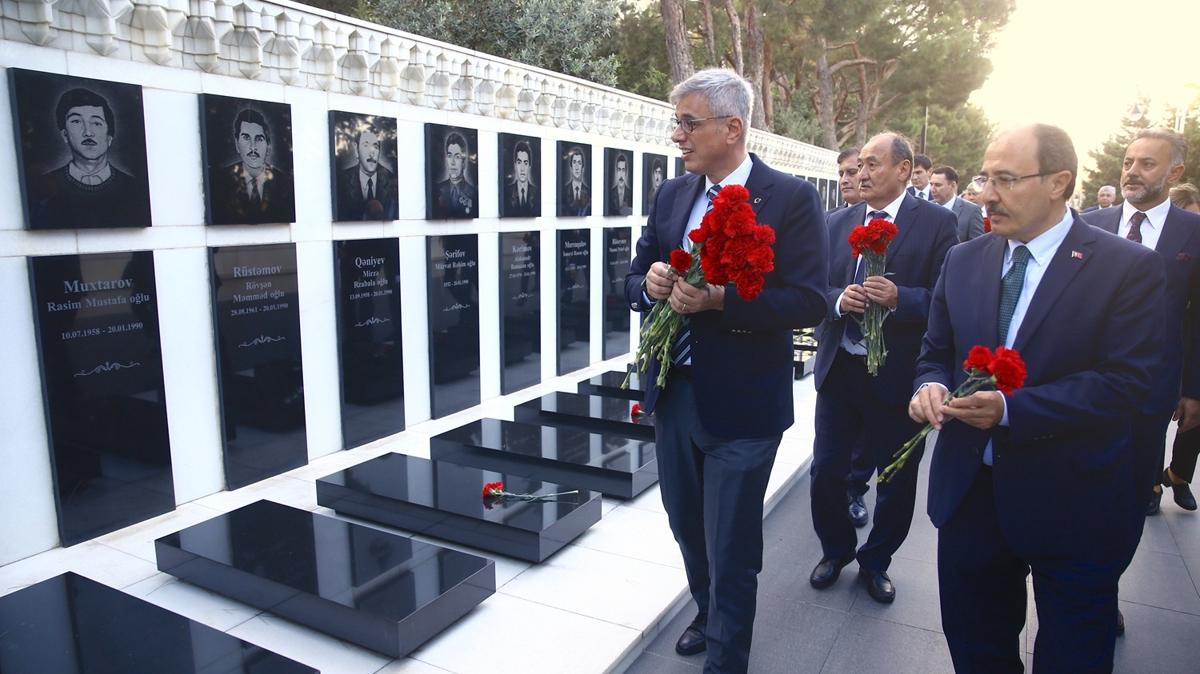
(943, 184)
(728, 397)
(1105, 196)
(852, 405)
(1043, 479)
(1153, 162)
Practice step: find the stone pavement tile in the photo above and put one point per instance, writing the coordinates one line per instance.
(921, 543)
(867, 645)
(664, 644)
(651, 663)
(1161, 580)
(916, 602)
(1157, 536)
(793, 637)
(1157, 640)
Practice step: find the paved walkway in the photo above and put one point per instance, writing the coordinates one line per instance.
(841, 629)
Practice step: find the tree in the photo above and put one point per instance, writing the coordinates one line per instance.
(567, 36)
(679, 52)
(957, 136)
(1111, 154)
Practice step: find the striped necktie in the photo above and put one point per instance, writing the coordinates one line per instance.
(1010, 291)
(683, 343)
(853, 330)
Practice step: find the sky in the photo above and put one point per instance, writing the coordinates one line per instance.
(1080, 64)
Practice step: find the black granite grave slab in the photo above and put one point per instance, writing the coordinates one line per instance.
(444, 500)
(98, 339)
(606, 462)
(453, 294)
(73, 625)
(585, 412)
(369, 342)
(520, 310)
(257, 306)
(574, 299)
(376, 589)
(609, 384)
(618, 242)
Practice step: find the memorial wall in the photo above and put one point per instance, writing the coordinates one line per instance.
(235, 239)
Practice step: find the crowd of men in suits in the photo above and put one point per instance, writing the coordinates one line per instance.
(1053, 480)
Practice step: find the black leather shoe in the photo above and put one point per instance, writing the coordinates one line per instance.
(1120, 623)
(879, 586)
(858, 511)
(1181, 492)
(827, 571)
(1155, 501)
(692, 640)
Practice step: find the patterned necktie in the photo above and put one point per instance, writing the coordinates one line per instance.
(853, 331)
(1010, 291)
(1135, 227)
(683, 343)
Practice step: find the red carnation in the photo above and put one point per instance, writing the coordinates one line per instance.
(987, 225)
(492, 489)
(681, 261)
(1008, 369)
(979, 358)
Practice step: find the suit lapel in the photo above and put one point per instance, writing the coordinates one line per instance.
(1072, 255)
(685, 198)
(759, 185)
(1173, 237)
(906, 219)
(993, 262)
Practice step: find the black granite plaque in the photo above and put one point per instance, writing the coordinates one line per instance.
(613, 464)
(97, 319)
(609, 384)
(618, 243)
(679, 169)
(72, 625)
(369, 343)
(373, 588)
(520, 310)
(574, 299)
(444, 500)
(453, 292)
(257, 308)
(586, 412)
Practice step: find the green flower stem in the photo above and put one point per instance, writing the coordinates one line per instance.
(873, 318)
(971, 385)
(662, 327)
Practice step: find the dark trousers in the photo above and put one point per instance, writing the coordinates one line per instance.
(1184, 453)
(1150, 442)
(712, 489)
(862, 467)
(981, 582)
(849, 414)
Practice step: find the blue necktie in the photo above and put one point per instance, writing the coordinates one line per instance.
(1010, 291)
(683, 343)
(853, 331)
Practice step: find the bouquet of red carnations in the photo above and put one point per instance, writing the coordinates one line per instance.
(871, 242)
(729, 246)
(1002, 368)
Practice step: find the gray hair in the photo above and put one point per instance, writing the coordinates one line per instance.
(728, 93)
(1107, 188)
(1176, 141)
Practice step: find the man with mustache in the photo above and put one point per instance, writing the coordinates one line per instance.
(367, 190)
(847, 163)
(87, 191)
(252, 191)
(854, 407)
(455, 196)
(620, 196)
(575, 199)
(1105, 196)
(1041, 480)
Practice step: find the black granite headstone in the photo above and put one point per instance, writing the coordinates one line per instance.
(369, 342)
(574, 299)
(257, 307)
(444, 500)
(611, 463)
(453, 294)
(97, 318)
(618, 242)
(587, 412)
(377, 589)
(520, 310)
(609, 384)
(73, 625)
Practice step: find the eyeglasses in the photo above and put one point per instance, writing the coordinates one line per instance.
(1006, 183)
(689, 124)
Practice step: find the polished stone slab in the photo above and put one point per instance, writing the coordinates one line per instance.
(586, 412)
(376, 589)
(574, 301)
(609, 384)
(605, 462)
(520, 310)
(615, 314)
(444, 500)
(453, 306)
(70, 624)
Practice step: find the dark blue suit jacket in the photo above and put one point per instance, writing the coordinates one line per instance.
(925, 232)
(1179, 248)
(742, 356)
(1063, 469)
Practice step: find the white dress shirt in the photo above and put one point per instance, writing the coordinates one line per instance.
(739, 176)
(1152, 226)
(859, 348)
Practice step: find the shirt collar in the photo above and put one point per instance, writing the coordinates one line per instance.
(893, 208)
(94, 178)
(1043, 246)
(739, 176)
(1155, 217)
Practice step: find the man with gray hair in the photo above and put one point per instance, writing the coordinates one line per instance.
(728, 396)
(1105, 196)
